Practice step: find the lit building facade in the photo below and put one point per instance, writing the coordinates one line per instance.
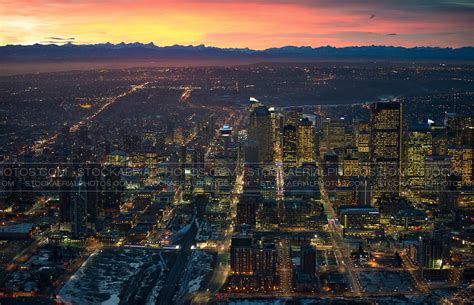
(386, 149)
(305, 141)
(419, 145)
(290, 146)
(361, 222)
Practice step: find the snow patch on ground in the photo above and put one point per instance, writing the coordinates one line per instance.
(198, 266)
(107, 273)
(113, 300)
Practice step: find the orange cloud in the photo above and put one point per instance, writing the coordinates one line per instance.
(254, 24)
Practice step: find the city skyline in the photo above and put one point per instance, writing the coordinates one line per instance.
(236, 152)
(194, 185)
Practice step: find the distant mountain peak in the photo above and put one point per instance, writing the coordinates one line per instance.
(150, 50)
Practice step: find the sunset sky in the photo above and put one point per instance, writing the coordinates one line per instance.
(232, 23)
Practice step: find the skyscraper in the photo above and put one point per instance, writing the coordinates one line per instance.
(113, 189)
(330, 169)
(242, 259)
(305, 141)
(308, 259)
(92, 181)
(211, 126)
(362, 136)
(437, 170)
(419, 145)
(266, 259)
(253, 265)
(293, 116)
(226, 134)
(261, 131)
(362, 141)
(290, 146)
(461, 158)
(386, 148)
(456, 124)
(79, 208)
(247, 210)
(65, 206)
(439, 135)
(363, 192)
(333, 135)
(431, 253)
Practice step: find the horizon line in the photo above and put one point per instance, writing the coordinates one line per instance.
(229, 48)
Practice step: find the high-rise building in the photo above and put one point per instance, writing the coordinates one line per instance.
(293, 116)
(455, 126)
(363, 192)
(226, 134)
(93, 187)
(253, 265)
(431, 253)
(461, 158)
(362, 222)
(113, 189)
(362, 141)
(437, 170)
(242, 259)
(362, 137)
(419, 145)
(266, 259)
(79, 208)
(439, 135)
(386, 148)
(65, 203)
(349, 168)
(261, 131)
(254, 103)
(308, 259)
(273, 117)
(250, 152)
(330, 167)
(199, 160)
(211, 126)
(468, 166)
(290, 146)
(468, 136)
(333, 135)
(305, 137)
(247, 210)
